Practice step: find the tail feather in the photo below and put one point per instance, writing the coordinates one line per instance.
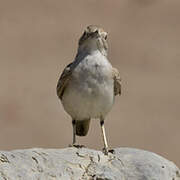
(82, 127)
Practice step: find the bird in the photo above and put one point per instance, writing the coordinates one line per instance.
(88, 85)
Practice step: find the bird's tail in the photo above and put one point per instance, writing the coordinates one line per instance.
(82, 127)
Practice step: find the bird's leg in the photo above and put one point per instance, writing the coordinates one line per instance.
(74, 136)
(105, 149)
(74, 132)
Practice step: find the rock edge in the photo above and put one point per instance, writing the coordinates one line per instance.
(83, 163)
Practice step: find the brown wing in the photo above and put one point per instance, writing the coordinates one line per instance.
(117, 82)
(63, 80)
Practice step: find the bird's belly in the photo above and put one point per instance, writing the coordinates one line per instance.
(88, 99)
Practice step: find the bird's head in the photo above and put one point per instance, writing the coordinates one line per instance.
(94, 38)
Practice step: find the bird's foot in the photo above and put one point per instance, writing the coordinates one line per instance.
(77, 146)
(107, 150)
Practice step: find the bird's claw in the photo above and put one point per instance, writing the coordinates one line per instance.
(106, 151)
(77, 146)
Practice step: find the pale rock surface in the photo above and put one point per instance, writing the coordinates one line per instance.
(83, 163)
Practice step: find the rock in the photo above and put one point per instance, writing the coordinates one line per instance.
(83, 163)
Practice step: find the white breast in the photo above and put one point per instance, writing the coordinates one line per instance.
(90, 92)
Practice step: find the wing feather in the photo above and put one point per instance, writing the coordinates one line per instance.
(63, 80)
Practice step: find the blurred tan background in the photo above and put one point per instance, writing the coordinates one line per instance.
(38, 38)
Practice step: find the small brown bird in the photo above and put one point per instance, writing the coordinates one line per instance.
(88, 86)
